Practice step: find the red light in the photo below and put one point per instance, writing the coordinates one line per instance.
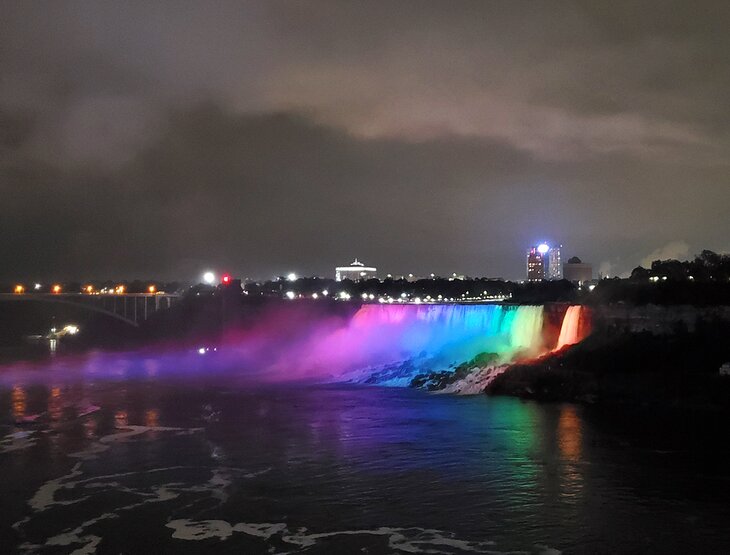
(226, 279)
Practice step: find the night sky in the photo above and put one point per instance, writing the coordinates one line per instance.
(158, 139)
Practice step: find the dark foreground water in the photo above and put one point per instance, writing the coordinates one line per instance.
(156, 465)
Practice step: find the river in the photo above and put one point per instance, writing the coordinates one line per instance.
(146, 464)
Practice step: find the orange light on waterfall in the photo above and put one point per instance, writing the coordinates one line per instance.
(119, 289)
(151, 289)
(56, 289)
(570, 329)
(19, 289)
(89, 289)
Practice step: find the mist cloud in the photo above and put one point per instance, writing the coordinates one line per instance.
(675, 250)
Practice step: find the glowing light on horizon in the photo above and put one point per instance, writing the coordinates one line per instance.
(19, 289)
(543, 248)
(291, 277)
(56, 289)
(209, 278)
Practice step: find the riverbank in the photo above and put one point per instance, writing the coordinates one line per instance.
(679, 369)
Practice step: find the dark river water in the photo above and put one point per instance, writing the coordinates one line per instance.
(161, 465)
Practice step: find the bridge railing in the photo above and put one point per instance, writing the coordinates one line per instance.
(132, 308)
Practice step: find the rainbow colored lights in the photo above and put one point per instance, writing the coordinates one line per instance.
(380, 343)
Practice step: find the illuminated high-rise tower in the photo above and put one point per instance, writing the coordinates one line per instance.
(535, 264)
(555, 263)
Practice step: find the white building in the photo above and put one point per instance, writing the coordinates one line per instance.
(355, 271)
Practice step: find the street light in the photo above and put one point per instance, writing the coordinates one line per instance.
(291, 277)
(56, 289)
(209, 278)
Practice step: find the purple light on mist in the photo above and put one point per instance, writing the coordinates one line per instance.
(300, 343)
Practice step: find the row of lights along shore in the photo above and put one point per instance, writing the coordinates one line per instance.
(56, 289)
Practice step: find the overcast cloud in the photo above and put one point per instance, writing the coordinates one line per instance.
(157, 139)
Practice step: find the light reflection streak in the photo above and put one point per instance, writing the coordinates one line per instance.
(19, 401)
(569, 437)
(152, 417)
(55, 404)
(569, 433)
(121, 418)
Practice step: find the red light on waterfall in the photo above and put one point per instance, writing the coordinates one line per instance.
(226, 279)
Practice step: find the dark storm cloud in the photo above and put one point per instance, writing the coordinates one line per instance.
(142, 139)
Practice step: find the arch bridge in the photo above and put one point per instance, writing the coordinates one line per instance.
(131, 308)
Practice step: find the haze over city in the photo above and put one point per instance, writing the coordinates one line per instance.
(163, 139)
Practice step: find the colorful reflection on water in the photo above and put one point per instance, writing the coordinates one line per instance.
(337, 458)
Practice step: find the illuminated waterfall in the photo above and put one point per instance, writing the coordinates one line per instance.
(570, 330)
(456, 332)
(432, 337)
(392, 343)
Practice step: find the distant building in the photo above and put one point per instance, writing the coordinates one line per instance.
(577, 271)
(355, 271)
(555, 263)
(535, 265)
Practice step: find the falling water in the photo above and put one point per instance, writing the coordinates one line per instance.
(570, 330)
(433, 337)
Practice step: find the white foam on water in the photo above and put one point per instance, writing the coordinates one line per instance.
(124, 434)
(45, 496)
(17, 441)
(263, 530)
(400, 540)
(90, 542)
(185, 529)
